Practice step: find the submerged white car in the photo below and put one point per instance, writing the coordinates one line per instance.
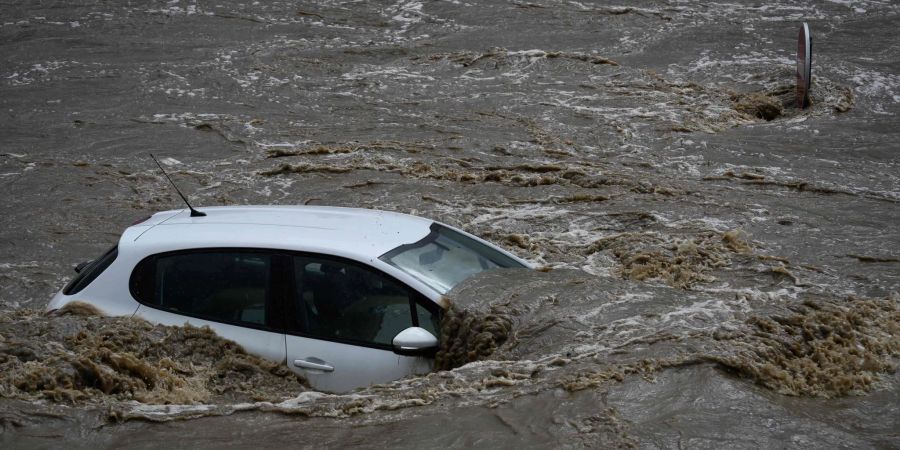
(346, 297)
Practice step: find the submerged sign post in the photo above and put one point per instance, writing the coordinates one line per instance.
(804, 66)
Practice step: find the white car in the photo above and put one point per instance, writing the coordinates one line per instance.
(346, 297)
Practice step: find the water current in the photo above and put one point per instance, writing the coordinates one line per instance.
(718, 268)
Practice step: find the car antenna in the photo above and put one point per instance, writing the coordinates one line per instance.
(194, 212)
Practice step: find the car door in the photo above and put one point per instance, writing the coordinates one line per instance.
(342, 320)
(236, 292)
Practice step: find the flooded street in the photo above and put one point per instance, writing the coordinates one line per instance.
(718, 267)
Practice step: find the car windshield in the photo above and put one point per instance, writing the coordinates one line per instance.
(446, 257)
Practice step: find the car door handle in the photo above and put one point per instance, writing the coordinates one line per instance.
(313, 363)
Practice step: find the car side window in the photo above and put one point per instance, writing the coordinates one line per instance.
(222, 286)
(348, 302)
(429, 320)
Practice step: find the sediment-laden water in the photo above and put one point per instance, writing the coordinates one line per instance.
(718, 267)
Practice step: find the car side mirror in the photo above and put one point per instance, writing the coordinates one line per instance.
(415, 341)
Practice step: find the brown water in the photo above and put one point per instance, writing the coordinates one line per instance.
(725, 267)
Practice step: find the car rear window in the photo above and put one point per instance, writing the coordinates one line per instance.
(91, 272)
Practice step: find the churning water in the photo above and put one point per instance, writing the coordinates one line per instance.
(719, 268)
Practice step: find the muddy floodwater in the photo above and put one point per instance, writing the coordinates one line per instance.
(718, 268)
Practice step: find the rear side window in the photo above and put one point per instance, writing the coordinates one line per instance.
(222, 286)
(91, 272)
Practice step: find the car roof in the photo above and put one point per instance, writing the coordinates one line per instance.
(351, 232)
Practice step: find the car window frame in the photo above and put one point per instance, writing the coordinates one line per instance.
(282, 281)
(290, 308)
(277, 285)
